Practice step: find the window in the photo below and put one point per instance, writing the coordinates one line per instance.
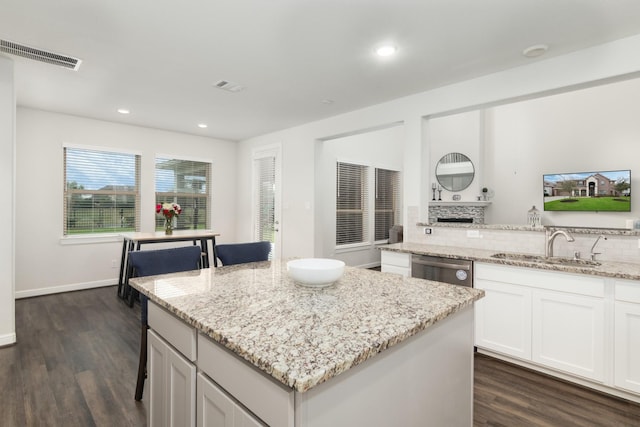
(387, 205)
(187, 183)
(351, 204)
(101, 191)
(264, 187)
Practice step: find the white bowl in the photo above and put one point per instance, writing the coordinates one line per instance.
(315, 272)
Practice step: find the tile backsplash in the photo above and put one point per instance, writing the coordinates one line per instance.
(522, 239)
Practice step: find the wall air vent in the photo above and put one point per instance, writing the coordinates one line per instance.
(228, 86)
(39, 55)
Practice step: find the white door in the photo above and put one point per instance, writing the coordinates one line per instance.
(172, 385)
(156, 382)
(568, 333)
(627, 346)
(181, 390)
(503, 318)
(216, 409)
(266, 198)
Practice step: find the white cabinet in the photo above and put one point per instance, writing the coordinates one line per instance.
(553, 319)
(217, 409)
(568, 332)
(171, 370)
(503, 318)
(627, 335)
(172, 385)
(396, 262)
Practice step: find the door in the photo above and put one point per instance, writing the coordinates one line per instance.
(568, 332)
(181, 390)
(171, 385)
(156, 384)
(503, 318)
(266, 198)
(216, 409)
(627, 346)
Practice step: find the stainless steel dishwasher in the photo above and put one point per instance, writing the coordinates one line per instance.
(448, 270)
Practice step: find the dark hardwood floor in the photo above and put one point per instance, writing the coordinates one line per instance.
(74, 364)
(76, 359)
(508, 395)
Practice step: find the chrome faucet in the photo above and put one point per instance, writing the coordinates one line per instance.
(593, 254)
(550, 238)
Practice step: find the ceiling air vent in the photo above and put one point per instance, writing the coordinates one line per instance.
(39, 55)
(228, 86)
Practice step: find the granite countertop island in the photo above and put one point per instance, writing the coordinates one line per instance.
(299, 336)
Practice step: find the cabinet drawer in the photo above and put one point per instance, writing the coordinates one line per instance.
(580, 284)
(403, 271)
(627, 290)
(268, 399)
(399, 259)
(175, 331)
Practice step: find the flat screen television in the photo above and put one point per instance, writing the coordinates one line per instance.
(600, 191)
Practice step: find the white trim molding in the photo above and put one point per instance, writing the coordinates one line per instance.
(66, 288)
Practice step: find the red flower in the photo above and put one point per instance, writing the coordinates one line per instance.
(158, 208)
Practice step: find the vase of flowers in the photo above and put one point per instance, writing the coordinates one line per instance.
(168, 211)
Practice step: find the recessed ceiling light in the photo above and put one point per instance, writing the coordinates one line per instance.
(327, 101)
(386, 50)
(123, 111)
(535, 50)
(202, 125)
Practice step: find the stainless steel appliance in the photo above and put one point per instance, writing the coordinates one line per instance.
(448, 270)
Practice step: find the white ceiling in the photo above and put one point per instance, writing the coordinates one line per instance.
(160, 58)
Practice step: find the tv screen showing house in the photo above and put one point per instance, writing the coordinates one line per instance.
(605, 191)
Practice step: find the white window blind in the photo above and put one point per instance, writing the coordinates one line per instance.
(101, 191)
(187, 183)
(352, 212)
(387, 202)
(264, 185)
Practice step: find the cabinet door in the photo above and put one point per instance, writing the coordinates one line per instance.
(171, 383)
(217, 409)
(503, 318)
(568, 333)
(627, 346)
(156, 379)
(181, 390)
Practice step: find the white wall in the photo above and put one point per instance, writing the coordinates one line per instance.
(594, 129)
(377, 149)
(44, 262)
(458, 133)
(7, 167)
(615, 60)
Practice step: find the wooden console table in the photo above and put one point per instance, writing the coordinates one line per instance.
(133, 242)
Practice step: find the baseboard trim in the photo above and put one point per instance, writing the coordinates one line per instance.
(65, 288)
(7, 339)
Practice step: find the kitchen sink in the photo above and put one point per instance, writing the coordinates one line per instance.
(544, 260)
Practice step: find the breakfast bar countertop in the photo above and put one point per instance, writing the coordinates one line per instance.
(620, 270)
(301, 336)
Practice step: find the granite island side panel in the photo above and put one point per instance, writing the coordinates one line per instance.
(302, 337)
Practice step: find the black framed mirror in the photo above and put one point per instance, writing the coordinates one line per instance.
(455, 171)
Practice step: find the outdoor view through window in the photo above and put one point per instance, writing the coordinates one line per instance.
(101, 191)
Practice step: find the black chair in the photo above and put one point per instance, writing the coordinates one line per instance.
(150, 263)
(240, 253)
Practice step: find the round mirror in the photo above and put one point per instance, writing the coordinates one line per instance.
(455, 172)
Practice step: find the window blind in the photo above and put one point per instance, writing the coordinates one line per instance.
(101, 191)
(352, 212)
(264, 187)
(187, 183)
(387, 202)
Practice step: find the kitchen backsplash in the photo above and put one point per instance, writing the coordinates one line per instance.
(522, 239)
